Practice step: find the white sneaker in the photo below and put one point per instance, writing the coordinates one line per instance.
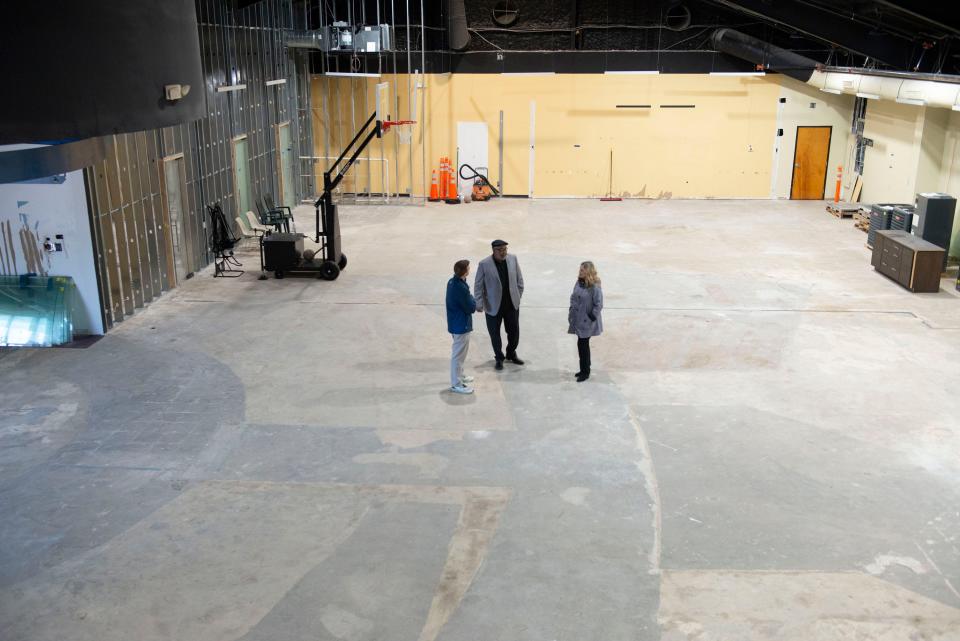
(466, 379)
(461, 389)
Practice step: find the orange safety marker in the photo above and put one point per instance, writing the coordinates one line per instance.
(434, 189)
(443, 177)
(836, 195)
(452, 188)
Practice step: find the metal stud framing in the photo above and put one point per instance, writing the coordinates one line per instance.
(130, 215)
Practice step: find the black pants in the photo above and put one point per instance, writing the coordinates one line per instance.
(583, 348)
(510, 317)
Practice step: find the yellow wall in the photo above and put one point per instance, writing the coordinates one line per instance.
(950, 173)
(890, 165)
(722, 148)
(935, 123)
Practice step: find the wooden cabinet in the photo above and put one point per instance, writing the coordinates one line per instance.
(912, 262)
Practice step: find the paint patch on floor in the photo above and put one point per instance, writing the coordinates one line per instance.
(723, 605)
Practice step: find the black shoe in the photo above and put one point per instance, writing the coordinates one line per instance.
(582, 376)
(577, 375)
(515, 359)
(499, 365)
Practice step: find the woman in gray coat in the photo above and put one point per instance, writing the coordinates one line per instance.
(586, 303)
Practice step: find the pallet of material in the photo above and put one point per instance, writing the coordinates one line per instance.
(861, 221)
(843, 210)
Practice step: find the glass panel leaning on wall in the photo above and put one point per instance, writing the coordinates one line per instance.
(36, 311)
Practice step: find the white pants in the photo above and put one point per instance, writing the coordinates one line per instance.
(461, 344)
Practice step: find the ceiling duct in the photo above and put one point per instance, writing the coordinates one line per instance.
(903, 87)
(763, 54)
(343, 37)
(308, 40)
(459, 35)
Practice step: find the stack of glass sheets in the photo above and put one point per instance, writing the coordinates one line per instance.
(36, 311)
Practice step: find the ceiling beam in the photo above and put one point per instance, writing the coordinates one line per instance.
(928, 12)
(827, 26)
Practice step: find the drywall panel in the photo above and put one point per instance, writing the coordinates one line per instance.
(890, 165)
(702, 136)
(950, 173)
(806, 106)
(932, 145)
(31, 212)
(472, 149)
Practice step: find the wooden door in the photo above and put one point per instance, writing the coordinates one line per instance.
(810, 158)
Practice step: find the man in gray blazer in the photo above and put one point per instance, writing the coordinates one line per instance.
(498, 288)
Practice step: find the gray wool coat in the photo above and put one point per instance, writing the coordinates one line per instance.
(584, 302)
(487, 288)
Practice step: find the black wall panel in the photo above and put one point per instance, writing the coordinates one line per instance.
(82, 69)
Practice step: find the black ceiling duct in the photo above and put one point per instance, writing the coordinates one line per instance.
(763, 54)
(459, 35)
(81, 69)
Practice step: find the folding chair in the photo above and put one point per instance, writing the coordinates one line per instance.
(255, 224)
(246, 231)
(222, 242)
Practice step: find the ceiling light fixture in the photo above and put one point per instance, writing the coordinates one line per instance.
(745, 74)
(864, 94)
(831, 90)
(653, 72)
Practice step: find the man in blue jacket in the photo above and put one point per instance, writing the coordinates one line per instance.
(460, 308)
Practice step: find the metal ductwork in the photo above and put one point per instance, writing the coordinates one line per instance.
(459, 35)
(904, 87)
(344, 37)
(763, 54)
(883, 86)
(307, 40)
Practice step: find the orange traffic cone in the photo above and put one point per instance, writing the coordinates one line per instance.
(452, 188)
(434, 189)
(443, 178)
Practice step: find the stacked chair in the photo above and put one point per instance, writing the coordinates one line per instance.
(280, 217)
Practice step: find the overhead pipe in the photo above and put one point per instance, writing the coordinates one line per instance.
(905, 87)
(459, 34)
(763, 54)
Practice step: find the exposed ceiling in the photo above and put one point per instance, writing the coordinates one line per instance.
(901, 35)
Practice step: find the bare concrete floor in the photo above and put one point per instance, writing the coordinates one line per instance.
(767, 449)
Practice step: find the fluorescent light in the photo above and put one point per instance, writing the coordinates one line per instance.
(350, 74)
(864, 94)
(278, 81)
(226, 88)
(831, 90)
(738, 73)
(911, 101)
(956, 107)
(632, 73)
(530, 73)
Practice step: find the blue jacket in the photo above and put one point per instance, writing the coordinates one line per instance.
(460, 306)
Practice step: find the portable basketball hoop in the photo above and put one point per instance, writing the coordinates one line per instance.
(386, 124)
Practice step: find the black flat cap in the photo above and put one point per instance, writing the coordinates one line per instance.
(498, 243)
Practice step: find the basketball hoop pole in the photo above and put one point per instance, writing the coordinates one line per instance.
(329, 225)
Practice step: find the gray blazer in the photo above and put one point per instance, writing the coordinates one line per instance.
(487, 288)
(585, 302)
